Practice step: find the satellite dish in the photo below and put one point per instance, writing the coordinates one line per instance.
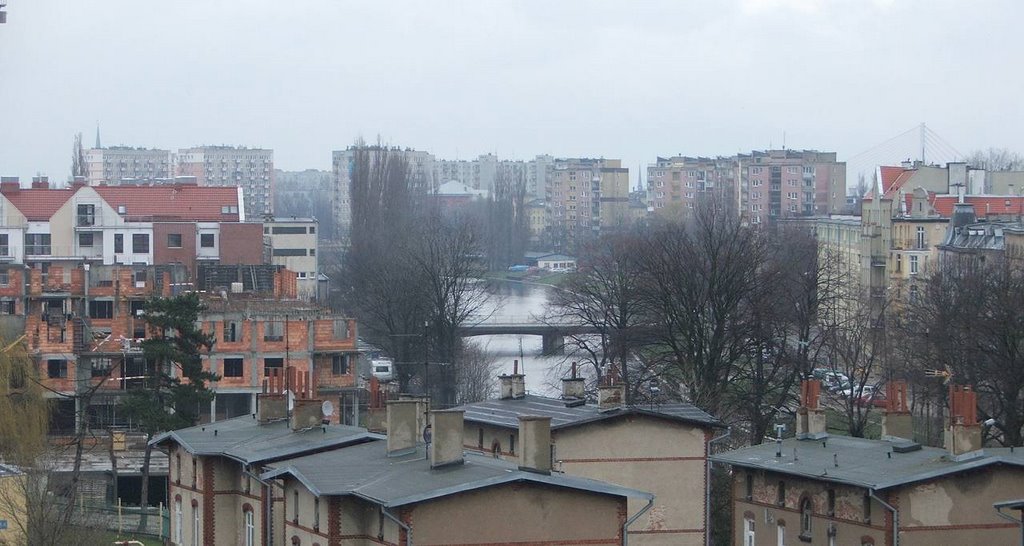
(428, 434)
(291, 400)
(327, 408)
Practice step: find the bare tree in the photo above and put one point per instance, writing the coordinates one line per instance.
(995, 159)
(79, 167)
(858, 348)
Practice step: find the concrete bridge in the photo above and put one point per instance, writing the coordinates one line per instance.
(552, 334)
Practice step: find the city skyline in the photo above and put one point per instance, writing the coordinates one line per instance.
(572, 80)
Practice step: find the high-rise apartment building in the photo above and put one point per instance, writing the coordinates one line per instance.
(764, 186)
(585, 198)
(484, 172)
(251, 169)
(119, 164)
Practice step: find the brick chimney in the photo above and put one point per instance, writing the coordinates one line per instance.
(964, 432)
(272, 403)
(535, 444)
(573, 386)
(402, 418)
(446, 430)
(40, 182)
(610, 395)
(513, 387)
(376, 414)
(10, 184)
(897, 421)
(810, 418)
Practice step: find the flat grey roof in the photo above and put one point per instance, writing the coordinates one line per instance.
(505, 413)
(367, 472)
(244, 439)
(863, 462)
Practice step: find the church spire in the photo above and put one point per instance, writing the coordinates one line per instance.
(98, 145)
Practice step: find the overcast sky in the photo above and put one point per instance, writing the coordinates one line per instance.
(626, 80)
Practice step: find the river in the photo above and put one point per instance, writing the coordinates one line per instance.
(516, 302)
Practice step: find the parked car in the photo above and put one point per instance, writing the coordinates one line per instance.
(832, 380)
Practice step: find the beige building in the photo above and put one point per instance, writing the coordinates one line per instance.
(662, 450)
(585, 198)
(119, 164)
(823, 489)
(12, 506)
(293, 244)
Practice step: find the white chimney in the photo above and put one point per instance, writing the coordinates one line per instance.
(535, 444)
(402, 421)
(446, 430)
(513, 387)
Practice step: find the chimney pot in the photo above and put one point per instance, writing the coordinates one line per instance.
(513, 387)
(610, 397)
(810, 418)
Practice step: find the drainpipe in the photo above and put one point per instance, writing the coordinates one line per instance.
(625, 526)
(895, 517)
(707, 486)
(408, 529)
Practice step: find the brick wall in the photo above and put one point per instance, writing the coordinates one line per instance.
(241, 244)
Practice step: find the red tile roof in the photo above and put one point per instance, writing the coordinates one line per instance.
(38, 205)
(189, 203)
(984, 205)
(893, 178)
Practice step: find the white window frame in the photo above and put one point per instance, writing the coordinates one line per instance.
(250, 528)
(196, 535)
(177, 521)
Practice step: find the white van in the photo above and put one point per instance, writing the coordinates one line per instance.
(382, 368)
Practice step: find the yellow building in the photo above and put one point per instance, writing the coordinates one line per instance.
(12, 506)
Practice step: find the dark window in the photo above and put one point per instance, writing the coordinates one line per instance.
(85, 239)
(295, 497)
(118, 243)
(806, 514)
(140, 243)
(831, 502)
(312, 252)
(781, 494)
(512, 444)
(86, 215)
(7, 307)
(288, 230)
(173, 240)
(289, 252)
(101, 309)
(480, 438)
(312, 230)
(316, 513)
(37, 244)
(5, 278)
(232, 367)
(339, 364)
(56, 368)
(5, 249)
(195, 472)
(136, 307)
(273, 330)
(206, 240)
(750, 486)
(269, 363)
(341, 329)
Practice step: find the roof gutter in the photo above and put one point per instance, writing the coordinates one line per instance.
(707, 485)
(408, 528)
(895, 517)
(625, 526)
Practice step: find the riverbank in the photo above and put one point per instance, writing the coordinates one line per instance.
(545, 278)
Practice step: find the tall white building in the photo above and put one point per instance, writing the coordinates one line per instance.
(251, 169)
(117, 164)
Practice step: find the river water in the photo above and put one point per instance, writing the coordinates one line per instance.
(518, 302)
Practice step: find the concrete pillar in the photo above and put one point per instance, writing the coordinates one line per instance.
(552, 344)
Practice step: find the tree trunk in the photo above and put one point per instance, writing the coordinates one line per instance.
(144, 494)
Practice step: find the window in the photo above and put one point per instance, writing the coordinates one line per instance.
(177, 462)
(206, 240)
(312, 252)
(233, 367)
(316, 513)
(312, 230)
(288, 230)
(177, 521)
(290, 252)
(173, 240)
(780, 534)
(295, 503)
(805, 517)
(85, 239)
(341, 329)
(101, 367)
(273, 330)
(750, 486)
(231, 331)
(5, 278)
(920, 237)
(339, 364)
(195, 525)
(780, 498)
(118, 243)
(748, 532)
(56, 368)
(86, 215)
(512, 444)
(831, 509)
(5, 249)
(101, 309)
(269, 363)
(899, 262)
(122, 209)
(140, 243)
(250, 529)
(37, 244)
(480, 438)
(195, 473)
(913, 265)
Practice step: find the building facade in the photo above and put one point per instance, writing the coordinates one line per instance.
(585, 198)
(123, 164)
(250, 169)
(294, 244)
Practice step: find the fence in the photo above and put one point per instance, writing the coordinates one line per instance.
(123, 520)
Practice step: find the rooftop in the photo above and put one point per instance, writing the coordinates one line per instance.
(506, 412)
(367, 472)
(246, 440)
(873, 464)
(181, 202)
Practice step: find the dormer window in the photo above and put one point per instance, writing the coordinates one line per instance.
(122, 209)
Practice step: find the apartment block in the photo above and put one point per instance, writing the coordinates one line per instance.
(585, 198)
(293, 244)
(484, 172)
(123, 164)
(249, 169)
(675, 185)
(665, 448)
(822, 489)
